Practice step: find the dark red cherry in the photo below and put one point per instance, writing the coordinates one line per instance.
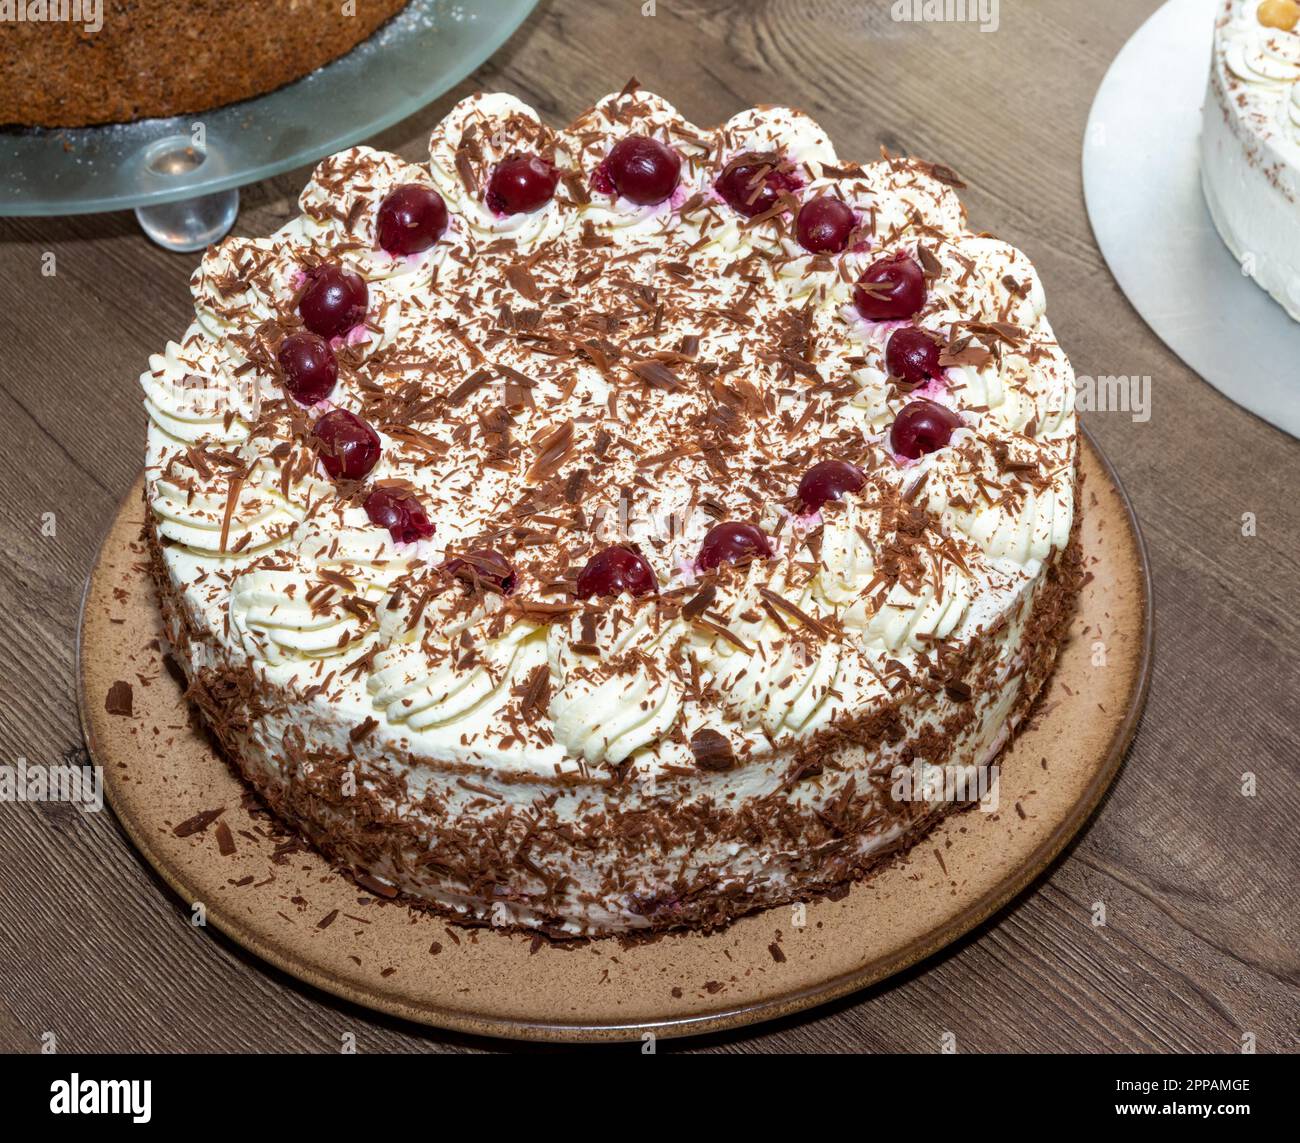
(483, 567)
(521, 184)
(752, 183)
(642, 170)
(825, 224)
(335, 300)
(401, 513)
(921, 427)
(411, 219)
(828, 480)
(346, 445)
(892, 289)
(912, 355)
(732, 544)
(310, 370)
(614, 571)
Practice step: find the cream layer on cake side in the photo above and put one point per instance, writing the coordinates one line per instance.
(592, 374)
(1250, 145)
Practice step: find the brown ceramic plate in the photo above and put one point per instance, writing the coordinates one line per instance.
(291, 908)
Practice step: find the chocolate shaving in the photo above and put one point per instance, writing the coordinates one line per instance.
(553, 448)
(929, 263)
(232, 498)
(945, 175)
(525, 285)
(814, 625)
(198, 823)
(362, 730)
(225, 840)
(656, 374)
(537, 692)
(699, 603)
(377, 887)
(119, 699)
(474, 382)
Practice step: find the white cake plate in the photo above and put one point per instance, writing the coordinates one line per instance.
(1141, 180)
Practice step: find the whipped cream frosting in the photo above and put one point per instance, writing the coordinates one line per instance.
(1267, 61)
(1250, 147)
(599, 372)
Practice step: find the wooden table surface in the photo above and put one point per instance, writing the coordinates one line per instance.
(1202, 928)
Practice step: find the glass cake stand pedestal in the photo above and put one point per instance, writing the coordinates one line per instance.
(182, 176)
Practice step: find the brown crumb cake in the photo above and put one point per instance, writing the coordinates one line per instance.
(586, 530)
(144, 58)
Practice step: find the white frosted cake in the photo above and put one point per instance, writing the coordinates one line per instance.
(1250, 142)
(576, 531)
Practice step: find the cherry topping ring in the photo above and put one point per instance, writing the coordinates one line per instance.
(732, 543)
(825, 225)
(616, 570)
(923, 427)
(912, 355)
(521, 184)
(642, 170)
(828, 480)
(752, 183)
(891, 289)
(400, 512)
(411, 218)
(309, 366)
(334, 301)
(347, 446)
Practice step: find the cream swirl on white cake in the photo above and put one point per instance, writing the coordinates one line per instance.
(597, 373)
(1250, 143)
(591, 137)
(321, 598)
(477, 134)
(242, 283)
(231, 511)
(193, 392)
(440, 664)
(340, 209)
(608, 701)
(771, 671)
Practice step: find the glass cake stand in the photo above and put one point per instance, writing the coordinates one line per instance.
(182, 175)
